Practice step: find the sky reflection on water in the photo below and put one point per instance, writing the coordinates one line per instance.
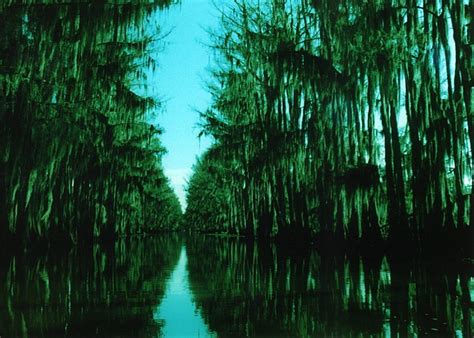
(177, 312)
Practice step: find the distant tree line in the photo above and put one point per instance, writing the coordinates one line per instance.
(78, 157)
(348, 120)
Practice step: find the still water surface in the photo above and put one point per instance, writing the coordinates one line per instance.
(177, 311)
(211, 287)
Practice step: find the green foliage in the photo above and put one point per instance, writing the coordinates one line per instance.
(346, 119)
(207, 196)
(78, 158)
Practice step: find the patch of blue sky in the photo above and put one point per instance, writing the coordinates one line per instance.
(184, 58)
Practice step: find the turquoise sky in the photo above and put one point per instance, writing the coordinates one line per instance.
(180, 81)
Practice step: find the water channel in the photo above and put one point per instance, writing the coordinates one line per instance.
(201, 286)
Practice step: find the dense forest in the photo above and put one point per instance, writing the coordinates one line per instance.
(79, 159)
(343, 121)
(347, 122)
(338, 187)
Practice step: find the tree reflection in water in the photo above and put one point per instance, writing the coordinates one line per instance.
(229, 288)
(247, 290)
(88, 292)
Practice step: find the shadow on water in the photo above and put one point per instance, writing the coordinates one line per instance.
(244, 289)
(97, 291)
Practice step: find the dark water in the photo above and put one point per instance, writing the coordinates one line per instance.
(202, 286)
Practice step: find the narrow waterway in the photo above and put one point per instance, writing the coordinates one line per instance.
(177, 312)
(201, 286)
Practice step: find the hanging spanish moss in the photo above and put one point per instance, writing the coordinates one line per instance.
(332, 193)
(347, 122)
(78, 157)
